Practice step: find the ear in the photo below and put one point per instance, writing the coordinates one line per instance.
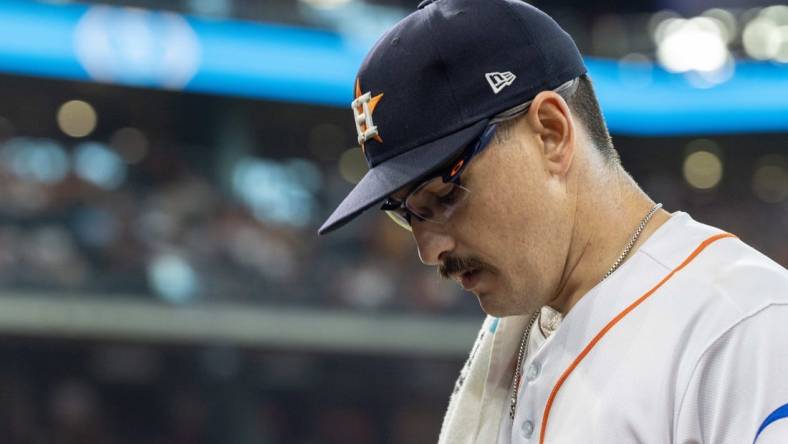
(551, 121)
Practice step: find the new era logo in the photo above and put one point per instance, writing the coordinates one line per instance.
(499, 80)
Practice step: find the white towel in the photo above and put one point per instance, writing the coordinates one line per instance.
(481, 394)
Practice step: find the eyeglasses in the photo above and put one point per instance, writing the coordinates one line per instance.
(440, 196)
(437, 198)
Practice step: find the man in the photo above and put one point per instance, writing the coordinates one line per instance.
(611, 320)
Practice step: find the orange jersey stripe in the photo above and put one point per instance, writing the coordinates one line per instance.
(612, 323)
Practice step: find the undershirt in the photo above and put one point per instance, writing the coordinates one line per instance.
(548, 322)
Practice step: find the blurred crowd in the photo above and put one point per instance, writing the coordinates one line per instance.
(170, 233)
(128, 394)
(173, 233)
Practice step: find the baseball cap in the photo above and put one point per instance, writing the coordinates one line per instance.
(431, 84)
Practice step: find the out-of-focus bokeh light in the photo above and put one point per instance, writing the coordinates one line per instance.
(765, 37)
(172, 278)
(77, 118)
(657, 24)
(368, 287)
(708, 79)
(352, 165)
(761, 39)
(98, 164)
(35, 160)
(131, 144)
(278, 192)
(770, 180)
(137, 46)
(96, 227)
(696, 44)
(268, 255)
(727, 22)
(703, 169)
(306, 172)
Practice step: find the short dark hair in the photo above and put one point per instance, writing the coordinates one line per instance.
(583, 104)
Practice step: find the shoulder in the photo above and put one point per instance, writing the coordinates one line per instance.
(718, 269)
(724, 289)
(722, 293)
(735, 278)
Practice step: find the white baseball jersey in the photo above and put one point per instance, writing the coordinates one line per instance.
(687, 342)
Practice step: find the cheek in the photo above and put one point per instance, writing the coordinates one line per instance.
(513, 218)
(511, 210)
(523, 234)
(496, 229)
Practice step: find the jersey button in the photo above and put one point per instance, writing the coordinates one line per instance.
(532, 372)
(527, 429)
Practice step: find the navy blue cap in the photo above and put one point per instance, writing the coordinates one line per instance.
(432, 83)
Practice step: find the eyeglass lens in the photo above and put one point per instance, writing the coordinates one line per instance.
(434, 201)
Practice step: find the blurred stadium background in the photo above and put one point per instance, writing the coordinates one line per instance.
(165, 165)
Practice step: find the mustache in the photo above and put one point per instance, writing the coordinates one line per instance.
(454, 265)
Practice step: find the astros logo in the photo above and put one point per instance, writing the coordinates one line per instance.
(363, 107)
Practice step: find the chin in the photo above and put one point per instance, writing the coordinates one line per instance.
(493, 306)
(502, 304)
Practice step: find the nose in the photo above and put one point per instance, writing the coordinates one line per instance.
(431, 242)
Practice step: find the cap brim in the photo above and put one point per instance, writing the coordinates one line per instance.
(397, 172)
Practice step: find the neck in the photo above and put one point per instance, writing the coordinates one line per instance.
(608, 223)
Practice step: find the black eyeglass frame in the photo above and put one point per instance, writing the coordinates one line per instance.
(449, 174)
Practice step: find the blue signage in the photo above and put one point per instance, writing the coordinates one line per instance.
(137, 47)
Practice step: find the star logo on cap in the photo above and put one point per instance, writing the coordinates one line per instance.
(363, 107)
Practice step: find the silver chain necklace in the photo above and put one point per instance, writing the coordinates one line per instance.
(527, 333)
